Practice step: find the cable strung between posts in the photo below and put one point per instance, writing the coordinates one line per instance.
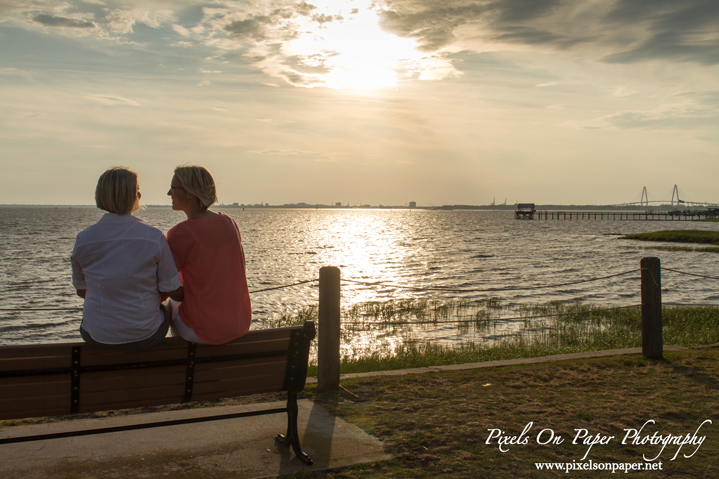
(690, 274)
(76, 308)
(285, 286)
(495, 290)
(690, 305)
(79, 308)
(522, 318)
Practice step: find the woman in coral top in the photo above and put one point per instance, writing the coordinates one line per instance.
(208, 253)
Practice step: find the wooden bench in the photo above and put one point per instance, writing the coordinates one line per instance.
(57, 379)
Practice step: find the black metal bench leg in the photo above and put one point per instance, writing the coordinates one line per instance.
(293, 438)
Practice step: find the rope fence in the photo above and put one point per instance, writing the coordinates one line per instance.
(284, 286)
(492, 290)
(689, 274)
(329, 311)
(422, 288)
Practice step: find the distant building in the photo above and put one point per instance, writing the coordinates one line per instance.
(525, 211)
(338, 204)
(412, 204)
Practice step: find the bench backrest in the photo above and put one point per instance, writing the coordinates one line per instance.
(55, 379)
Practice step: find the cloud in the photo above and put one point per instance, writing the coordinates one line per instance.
(50, 21)
(431, 23)
(434, 23)
(686, 115)
(123, 20)
(631, 30)
(294, 41)
(250, 29)
(112, 100)
(281, 152)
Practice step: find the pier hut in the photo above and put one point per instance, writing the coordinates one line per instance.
(525, 211)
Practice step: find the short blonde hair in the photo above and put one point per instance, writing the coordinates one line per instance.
(199, 182)
(116, 191)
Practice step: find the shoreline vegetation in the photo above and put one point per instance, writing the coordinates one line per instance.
(497, 331)
(680, 236)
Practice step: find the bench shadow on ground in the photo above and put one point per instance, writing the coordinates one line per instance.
(316, 441)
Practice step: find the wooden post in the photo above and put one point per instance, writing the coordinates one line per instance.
(652, 344)
(328, 346)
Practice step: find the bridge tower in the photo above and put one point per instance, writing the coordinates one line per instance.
(644, 195)
(675, 191)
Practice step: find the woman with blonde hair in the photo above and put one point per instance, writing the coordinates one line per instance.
(122, 267)
(207, 248)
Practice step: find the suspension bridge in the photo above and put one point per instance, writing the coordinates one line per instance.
(674, 201)
(656, 210)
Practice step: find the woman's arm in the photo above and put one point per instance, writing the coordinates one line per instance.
(177, 295)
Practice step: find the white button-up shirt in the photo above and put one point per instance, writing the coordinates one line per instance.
(123, 263)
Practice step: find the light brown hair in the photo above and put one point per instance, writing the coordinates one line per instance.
(117, 190)
(199, 182)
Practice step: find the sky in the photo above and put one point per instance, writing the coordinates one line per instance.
(363, 102)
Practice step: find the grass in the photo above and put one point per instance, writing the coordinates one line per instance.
(678, 236)
(702, 249)
(437, 424)
(497, 331)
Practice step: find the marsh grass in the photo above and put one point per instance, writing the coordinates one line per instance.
(678, 236)
(699, 249)
(492, 330)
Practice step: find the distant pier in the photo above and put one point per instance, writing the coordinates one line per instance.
(628, 215)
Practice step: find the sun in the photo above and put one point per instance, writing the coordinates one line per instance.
(349, 50)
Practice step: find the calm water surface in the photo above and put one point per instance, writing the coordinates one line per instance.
(469, 250)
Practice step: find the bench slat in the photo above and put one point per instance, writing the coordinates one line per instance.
(143, 378)
(230, 390)
(22, 389)
(48, 404)
(257, 335)
(121, 399)
(37, 350)
(243, 367)
(36, 362)
(257, 343)
(101, 357)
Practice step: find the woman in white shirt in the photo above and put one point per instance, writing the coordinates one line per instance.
(123, 268)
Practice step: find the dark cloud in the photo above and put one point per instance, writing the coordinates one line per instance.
(635, 30)
(533, 36)
(669, 46)
(254, 28)
(430, 22)
(51, 21)
(679, 31)
(511, 11)
(263, 27)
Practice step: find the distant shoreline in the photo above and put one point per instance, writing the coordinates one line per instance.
(306, 206)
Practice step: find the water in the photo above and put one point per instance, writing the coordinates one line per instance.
(474, 251)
